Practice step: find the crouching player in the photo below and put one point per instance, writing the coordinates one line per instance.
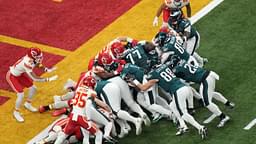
(57, 127)
(61, 103)
(21, 76)
(84, 95)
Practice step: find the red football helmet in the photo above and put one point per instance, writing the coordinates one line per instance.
(117, 49)
(164, 29)
(36, 54)
(89, 81)
(105, 59)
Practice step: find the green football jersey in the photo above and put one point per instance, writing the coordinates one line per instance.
(138, 56)
(100, 85)
(190, 72)
(132, 72)
(167, 80)
(176, 45)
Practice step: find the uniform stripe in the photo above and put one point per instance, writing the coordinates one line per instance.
(177, 103)
(196, 43)
(8, 75)
(205, 93)
(151, 97)
(102, 114)
(107, 101)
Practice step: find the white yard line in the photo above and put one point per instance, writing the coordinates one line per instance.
(204, 11)
(193, 19)
(250, 125)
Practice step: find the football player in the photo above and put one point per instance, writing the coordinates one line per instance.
(170, 83)
(147, 90)
(169, 5)
(206, 79)
(21, 76)
(171, 44)
(84, 96)
(189, 34)
(111, 70)
(56, 128)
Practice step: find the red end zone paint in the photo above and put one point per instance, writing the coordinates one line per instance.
(3, 99)
(65, 25)
(9, 54)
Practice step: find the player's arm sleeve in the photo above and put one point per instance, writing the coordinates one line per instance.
(160, 9)
(188, 7)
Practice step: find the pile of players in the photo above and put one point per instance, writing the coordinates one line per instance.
(134, 72)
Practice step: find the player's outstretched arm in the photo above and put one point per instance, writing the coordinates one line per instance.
(36, 78)
(146, 86)
(158, 13)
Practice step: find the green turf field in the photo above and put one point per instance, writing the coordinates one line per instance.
(228, 41)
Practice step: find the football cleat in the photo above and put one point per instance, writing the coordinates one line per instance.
(157, 117)
(109, 139)
(181, 131)
(42, 109)
(18, 116)
(138, 125)
(203, 132)
(146, 120)
(123, 133)
(223, 122)
(30, 107)
(230, 105)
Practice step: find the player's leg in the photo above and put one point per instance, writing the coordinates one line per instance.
(128, 98)
(219, 97)
(18, 88)
(86, 136)
(182, 125)
(111, 95)
(93, 114)
(206, 89)
(27, 82)
(27, 104)
(180, 100)
(67, 96)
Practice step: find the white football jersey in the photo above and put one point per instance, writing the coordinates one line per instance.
(25, 64)
(79, 101)
(176, 5)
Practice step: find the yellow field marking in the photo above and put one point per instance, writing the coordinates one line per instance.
(136, 23)
(6, 93)
(28, 44)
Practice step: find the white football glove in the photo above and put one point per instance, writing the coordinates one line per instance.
(53, 78)
(155, 22)
(49, 70)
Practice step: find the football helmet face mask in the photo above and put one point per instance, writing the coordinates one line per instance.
(89, 81)
(168, 2)
(174, 17)
(159, 39)
(36, 54)
(117, 49)
(177, 3)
